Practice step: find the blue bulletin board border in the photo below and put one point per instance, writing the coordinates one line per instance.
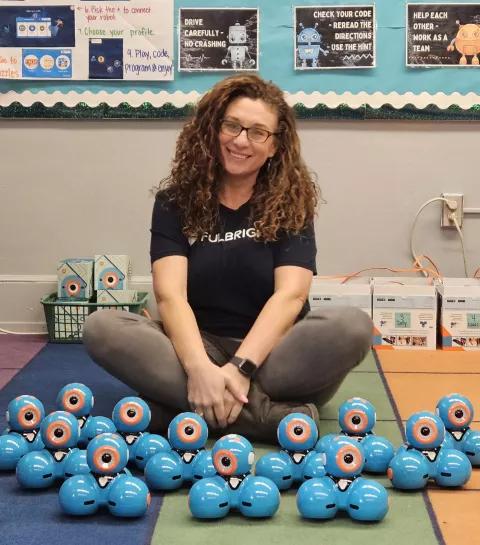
(391, 90)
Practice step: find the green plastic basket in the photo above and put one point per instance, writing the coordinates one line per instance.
(65, 319)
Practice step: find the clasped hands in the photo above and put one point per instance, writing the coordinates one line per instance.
(217, 393)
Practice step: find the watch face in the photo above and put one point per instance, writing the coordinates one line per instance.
(247, 367)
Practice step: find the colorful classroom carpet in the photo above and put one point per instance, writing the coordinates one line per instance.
(397, 383)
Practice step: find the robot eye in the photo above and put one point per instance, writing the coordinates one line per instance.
(425, 431)
(189, 430)
(58, 433)
(73, 400)
(315, 37)
(29, 416)
(131, 413)
(106, 459)
(303, 37)
(225, 462)
(355, 420)
(349, 459)
(298, 430)
(459, 414)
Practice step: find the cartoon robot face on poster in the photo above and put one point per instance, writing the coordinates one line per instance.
(237, 52)
(467, 43)
(309, 42)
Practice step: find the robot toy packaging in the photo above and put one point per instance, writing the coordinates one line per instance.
(423, 457)
(59, 459)
(357, 418)
(297, 434)
(24, 416)
(76, 398)
(343, 489)
(131, 416)
(456, 412)
(108, 485)
(233, 487)
(187, 461)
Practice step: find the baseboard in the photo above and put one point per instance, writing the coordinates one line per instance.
(21, 310)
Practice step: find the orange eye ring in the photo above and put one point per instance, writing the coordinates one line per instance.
(349, 415)
(124, 416)
(425, 423)
(467, 415)
(294, 424)
(110, 279)
(356, 463)
(73, 287)
(197, 430)
(53, 427)
(217, 462)
(100, 464)
(29, 424)
(70, 407)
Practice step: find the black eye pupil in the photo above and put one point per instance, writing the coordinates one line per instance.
(356, 420)
(459, 413)
(348, 458)
(226, 461)
(425, 431)
(29, 416)
(58, 433)
(73, 400)
(189, 430)
(298, 430)
(131, 413)
(107, 458)
(110, 279)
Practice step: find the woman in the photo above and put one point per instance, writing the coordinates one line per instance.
(233, 254)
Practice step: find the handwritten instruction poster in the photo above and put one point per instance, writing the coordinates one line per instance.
(218, 39)
(334, 37)
(443, 35)
(86, 40)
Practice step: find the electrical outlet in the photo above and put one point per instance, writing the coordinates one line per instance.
(445, 222)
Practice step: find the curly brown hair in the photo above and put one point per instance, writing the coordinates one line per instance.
(285, 194)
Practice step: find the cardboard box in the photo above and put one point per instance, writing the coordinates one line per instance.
(356, 292)
(112, 272)
(404, 314)
(75, 279)
(459, 317)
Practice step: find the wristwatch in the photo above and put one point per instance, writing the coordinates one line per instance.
(245, 366)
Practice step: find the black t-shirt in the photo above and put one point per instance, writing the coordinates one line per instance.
(230, 274)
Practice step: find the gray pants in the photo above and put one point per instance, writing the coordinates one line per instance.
(308, 364)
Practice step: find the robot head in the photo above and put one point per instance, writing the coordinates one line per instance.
(187, 431)
(297, 432)
(107, 454)
(344, 457)
(456, 411)
(59, 430)
(131, 414)
(25, 413)
(424, 430)
(237, 34)
(75, 398)
(308, 36)
(356, 416)
(232, 455)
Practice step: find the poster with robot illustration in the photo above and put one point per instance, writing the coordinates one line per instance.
(218, 39)
(443, 35)
(86, 40)
(334, 37)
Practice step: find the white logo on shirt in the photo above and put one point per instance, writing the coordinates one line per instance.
(230, 235)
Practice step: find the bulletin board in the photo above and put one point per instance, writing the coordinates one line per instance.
(397, 72)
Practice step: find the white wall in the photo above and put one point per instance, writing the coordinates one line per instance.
(76, 188)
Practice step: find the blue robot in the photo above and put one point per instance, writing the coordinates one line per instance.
(238, 50)
(297, 434)
(108, 485)
(309, 46)
(343, 489)
(131, 416)
(59, 459)
(357, 418)
(456, 412)
(423, 458)
(77, 399)
(188, 461)
(233, 487)
(24, 416)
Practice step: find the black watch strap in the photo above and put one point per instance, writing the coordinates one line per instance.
(245, 366)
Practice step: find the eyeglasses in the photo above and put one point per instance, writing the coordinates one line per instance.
(254, 134)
